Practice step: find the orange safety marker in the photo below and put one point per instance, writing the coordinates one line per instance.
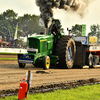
(24, 87)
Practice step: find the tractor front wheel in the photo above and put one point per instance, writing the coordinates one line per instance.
(22, 65)
(46, 62)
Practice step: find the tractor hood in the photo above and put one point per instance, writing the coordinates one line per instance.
(40, 43)
(41, 37)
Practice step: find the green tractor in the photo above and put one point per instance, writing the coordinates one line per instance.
(49, 50)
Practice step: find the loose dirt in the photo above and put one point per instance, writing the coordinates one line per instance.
(8, 56)
(10, 76)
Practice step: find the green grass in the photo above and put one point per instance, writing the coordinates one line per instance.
(90, 92)
(1, 53)
(8, 58)
(8, 53)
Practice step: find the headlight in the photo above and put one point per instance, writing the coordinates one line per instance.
(32, 50)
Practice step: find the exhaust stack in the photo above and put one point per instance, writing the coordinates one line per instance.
(47, 24)
(46, 31)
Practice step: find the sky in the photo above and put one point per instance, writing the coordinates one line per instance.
(68, 18)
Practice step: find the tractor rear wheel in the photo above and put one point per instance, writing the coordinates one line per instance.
(46, 62)
(22, 65)
(66, 50)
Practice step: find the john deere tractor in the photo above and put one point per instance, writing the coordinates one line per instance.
(49, 50)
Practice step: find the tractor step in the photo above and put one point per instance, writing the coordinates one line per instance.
(25, 61)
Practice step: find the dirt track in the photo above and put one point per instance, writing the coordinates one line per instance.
(8, 56)
(10, 75)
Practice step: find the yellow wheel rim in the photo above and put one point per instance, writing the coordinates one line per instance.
(23, 64)
(47, 62)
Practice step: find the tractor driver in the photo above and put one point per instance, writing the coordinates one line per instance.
(54, 30)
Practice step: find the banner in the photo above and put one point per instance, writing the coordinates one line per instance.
(83, 30)
(93, 40)
(15, 36)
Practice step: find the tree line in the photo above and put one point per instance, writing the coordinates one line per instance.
(94, 30)
(27, 24)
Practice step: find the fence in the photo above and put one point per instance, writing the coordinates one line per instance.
(13, 50)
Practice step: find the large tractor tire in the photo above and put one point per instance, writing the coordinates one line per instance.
(46, 62)
(21, 65)
(91, 61)
(66, 50)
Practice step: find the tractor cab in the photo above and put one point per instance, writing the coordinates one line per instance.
(55, 26)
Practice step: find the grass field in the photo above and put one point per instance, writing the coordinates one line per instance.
(6, 57)
(90, 92)
(8, 53)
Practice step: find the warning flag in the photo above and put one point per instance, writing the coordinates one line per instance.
(15, 36)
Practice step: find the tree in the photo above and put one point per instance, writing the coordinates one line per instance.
(93, 29)
(8, 24)
(77, 30)
(27, 24)
(9, 14)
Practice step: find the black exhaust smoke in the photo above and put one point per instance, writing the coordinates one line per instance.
(47, 5)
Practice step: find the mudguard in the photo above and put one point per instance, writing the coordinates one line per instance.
(80, 54)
